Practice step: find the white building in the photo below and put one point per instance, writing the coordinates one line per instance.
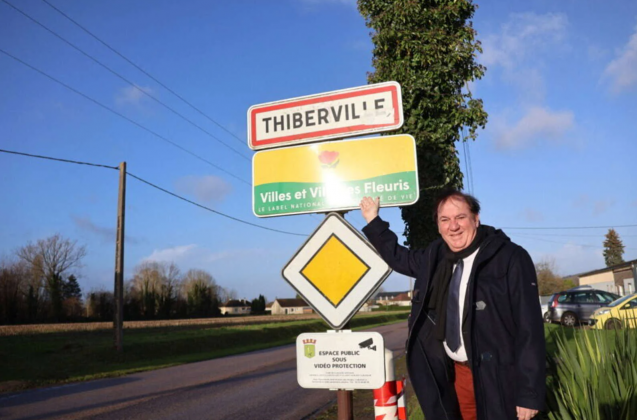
(290, 307)
(235, 307)
(618, 278)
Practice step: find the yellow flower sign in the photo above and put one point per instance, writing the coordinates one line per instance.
(335, 175)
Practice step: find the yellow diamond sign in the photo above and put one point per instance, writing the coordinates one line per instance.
(336, 270)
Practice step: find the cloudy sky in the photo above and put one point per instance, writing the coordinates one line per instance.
(559, 150)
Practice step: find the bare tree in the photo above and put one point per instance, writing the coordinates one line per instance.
(146, 284)
(226, 294)
(169, 287)
(156, 285)
(53, 256)
(49, 260)
(548, 280)
(201, 293)
(12, 280)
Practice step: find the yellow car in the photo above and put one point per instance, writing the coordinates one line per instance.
(618, 314)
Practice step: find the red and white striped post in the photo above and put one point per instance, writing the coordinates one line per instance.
(385, 398)
(400, 392)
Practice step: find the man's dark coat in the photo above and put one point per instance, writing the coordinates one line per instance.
(502, 327)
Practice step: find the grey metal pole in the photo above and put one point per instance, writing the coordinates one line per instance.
(345, 399)
(118, 316)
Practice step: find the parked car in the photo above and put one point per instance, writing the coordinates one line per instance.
(616, 315)
(576, 305)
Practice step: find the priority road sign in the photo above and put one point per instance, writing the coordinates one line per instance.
(340, 360)
(336, 271)
(337, 114)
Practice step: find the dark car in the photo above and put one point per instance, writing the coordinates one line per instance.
(576, 305)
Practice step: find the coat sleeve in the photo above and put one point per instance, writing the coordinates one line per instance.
(398, 257)
(530, 347)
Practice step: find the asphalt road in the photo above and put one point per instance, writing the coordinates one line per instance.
(259, 385)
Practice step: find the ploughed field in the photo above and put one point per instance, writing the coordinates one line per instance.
(96, 326)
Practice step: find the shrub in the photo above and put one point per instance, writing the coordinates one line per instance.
(594, 376)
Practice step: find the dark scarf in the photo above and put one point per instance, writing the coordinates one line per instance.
(442, 278)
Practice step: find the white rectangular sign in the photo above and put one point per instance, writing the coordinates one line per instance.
(340, 360)
(337, 114)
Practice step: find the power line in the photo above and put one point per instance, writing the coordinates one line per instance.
(125, 117)
(154, 186)
(570, 227)
(561, 243)
(126, 80)
(211, 210)
(58, 159)
(582, 236)
(144, 71)
(466, 163)
(468, 157)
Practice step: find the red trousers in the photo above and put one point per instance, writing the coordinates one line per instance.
(464, 389)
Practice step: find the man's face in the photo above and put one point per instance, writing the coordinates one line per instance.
(457, 224)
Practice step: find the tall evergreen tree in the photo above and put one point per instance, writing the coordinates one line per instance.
(429, 47)
(71, 288)
(613, 248)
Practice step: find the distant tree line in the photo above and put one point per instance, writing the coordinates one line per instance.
(38, 285)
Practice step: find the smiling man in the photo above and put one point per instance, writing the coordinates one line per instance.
(476, 340)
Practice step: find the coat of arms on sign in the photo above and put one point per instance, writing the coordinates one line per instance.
(309, 346)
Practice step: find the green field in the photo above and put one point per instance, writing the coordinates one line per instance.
(40, 359)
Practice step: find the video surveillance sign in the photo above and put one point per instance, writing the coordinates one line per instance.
(340, 360)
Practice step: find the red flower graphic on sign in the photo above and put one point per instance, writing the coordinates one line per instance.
(328, 159)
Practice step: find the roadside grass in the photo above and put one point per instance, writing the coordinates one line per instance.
(32, 360)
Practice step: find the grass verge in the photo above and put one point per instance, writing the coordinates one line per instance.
(32, 360)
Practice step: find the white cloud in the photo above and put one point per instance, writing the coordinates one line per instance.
(622, 71)
(204, 188)
(175, 254)
(522, 36)
(581, 201)
(537, 125)
(106, 234)
(194, 256)
(531, 215)
(318, 2)
(601, 206)
(595, 52)
(132, 95)
(595, 207)
(518, 49)
(573, 259)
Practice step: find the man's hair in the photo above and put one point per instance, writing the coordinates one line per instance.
(472, 202)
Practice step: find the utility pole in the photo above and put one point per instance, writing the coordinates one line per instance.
(118, 317)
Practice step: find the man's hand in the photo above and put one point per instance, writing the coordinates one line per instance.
(369, 208)
(525, 413)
